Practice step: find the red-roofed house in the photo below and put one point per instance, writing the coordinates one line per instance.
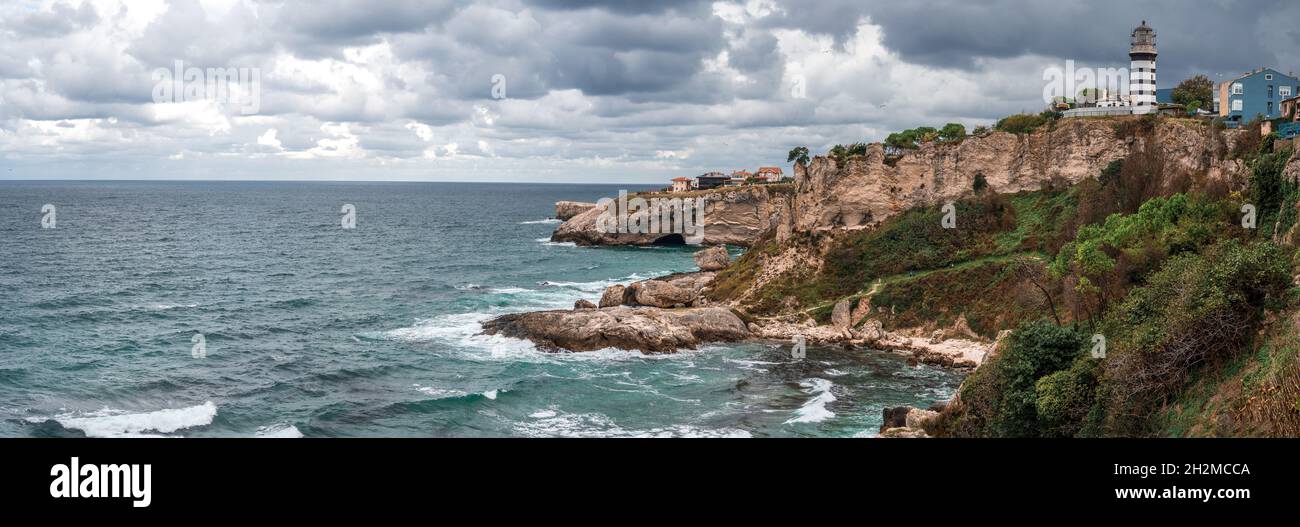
(769, 174)
(681, 184)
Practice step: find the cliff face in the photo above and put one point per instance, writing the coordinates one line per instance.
(866, 190)
(862, 191)
(733, 216)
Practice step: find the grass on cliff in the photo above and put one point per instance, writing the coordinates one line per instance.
(912, 255)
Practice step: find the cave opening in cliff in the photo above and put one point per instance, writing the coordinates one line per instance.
(671, 239)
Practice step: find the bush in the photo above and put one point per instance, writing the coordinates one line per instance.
(1021, 124)
(952, 132)
(1197, 311)
(1001, 398)
(1065, 398)
(1272, 194)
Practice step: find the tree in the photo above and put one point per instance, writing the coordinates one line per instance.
(798, 155)
(1197, 89)
(952, 132)
(1027, 269)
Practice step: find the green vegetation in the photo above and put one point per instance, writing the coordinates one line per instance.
(1197, 90)
(1104, 261)
(842, 153)
(911, 139)
(798, 155)
(1002, 398)
(1270, 190)
(1026, 123)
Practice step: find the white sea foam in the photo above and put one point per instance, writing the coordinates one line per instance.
(547, 220)
(278, 431)
(814, 411)
(117, 423)
(439, 393)
(509, 290)
(552, 423)
(547, 241)
(164, 307)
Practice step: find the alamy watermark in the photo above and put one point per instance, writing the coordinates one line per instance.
(236, 87)
(49, 216)
(800, 348)
(1098, 346)
(200, 348)
(349, 212)
(684, 216)
(1084, 85)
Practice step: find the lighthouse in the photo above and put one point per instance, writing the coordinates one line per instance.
(1142, 70)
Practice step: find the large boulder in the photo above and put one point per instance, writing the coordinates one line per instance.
(584, 304)
(613, 296)
(904, 432)
(871, 330)
(564, 210)
(649, 330)
(840, 316)
(713, 258)
(894, 417)
(660, 293)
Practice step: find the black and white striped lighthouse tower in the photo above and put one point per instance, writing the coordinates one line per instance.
(1142, 70)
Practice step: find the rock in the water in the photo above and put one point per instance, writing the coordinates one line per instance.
(659, 293)
(564, 210)
(894, 417)
(584, 304)
(840, 316)
(918, 418)
(713, 258)
(904, 432)
(649, 330)
(613, 296)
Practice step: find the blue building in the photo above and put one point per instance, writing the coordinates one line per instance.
(1165, 96)
(1258, 93)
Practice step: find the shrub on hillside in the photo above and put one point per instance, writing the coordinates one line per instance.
(1021, 124)
(1000, 399)
(1065, 398)
(1197, 310)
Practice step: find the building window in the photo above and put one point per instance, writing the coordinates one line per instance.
(1236, 105)
(1236, 88)
(1268, 76)
(1270, 107)
(1284, 91)
(1270, 91)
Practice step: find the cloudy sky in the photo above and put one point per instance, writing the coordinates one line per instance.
(554, 90)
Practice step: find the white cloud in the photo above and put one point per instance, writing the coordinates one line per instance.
(269, 139)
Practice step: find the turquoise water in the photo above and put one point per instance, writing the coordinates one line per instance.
(315, 330)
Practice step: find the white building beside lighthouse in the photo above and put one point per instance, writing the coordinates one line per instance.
(1142, 70)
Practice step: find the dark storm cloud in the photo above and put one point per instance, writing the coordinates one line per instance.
(60, 20)
(1210, 38)
(348, 19)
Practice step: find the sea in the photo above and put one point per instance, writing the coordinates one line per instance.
(249, 309)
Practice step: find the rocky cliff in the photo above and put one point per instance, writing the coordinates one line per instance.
(732, 216)
(861, 191)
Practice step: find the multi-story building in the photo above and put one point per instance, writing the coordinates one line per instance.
(682, 184)
(769, 174)
(711, 180)
(1257, 93)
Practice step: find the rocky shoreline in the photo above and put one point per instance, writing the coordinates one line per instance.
(671, 313)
